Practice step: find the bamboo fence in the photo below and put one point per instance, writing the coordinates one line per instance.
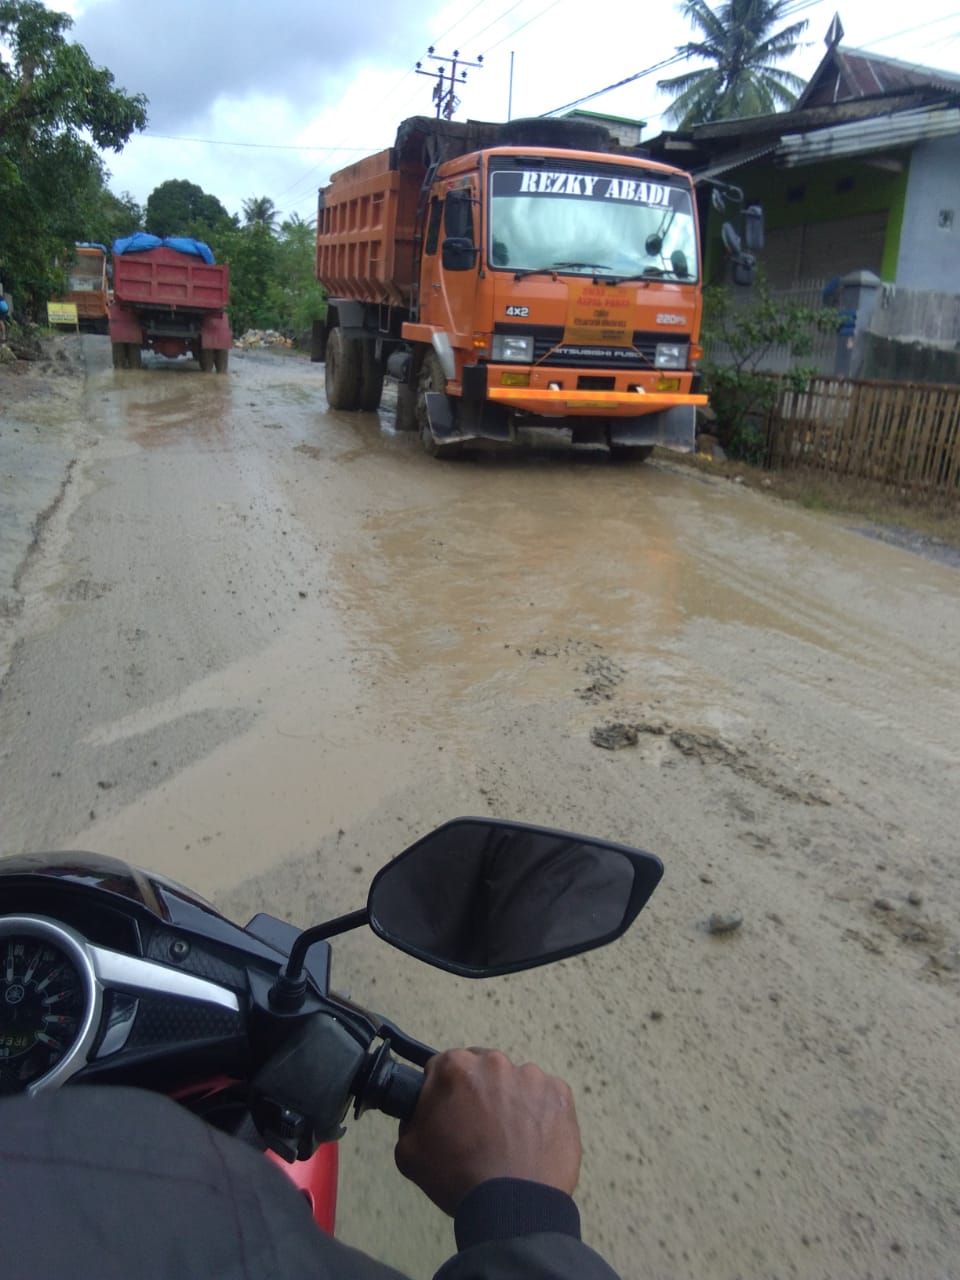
(900, 434)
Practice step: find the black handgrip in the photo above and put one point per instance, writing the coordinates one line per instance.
(400, 1091)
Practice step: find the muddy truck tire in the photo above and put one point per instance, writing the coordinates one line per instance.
(342, 370)
(371, 378)
(432, 378)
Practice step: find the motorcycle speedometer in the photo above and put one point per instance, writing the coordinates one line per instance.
(48, 999)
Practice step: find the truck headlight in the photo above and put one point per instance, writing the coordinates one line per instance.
(512, 347)
(671, 355)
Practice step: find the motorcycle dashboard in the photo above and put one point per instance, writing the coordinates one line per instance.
(69, 1004)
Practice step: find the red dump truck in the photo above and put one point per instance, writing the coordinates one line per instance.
(169, 298)
(507, 276)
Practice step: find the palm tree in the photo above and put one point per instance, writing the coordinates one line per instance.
(260, 211)
(739, 40)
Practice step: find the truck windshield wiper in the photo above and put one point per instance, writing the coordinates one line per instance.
(648, 273)
(560, 266)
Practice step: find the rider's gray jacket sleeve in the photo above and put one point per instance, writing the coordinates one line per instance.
(508, 1229)
(109, 1183)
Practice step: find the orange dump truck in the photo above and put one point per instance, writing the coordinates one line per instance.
(87, 287)
(507, 276)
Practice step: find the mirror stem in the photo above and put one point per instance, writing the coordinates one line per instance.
(289, 991)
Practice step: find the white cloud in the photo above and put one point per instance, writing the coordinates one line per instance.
(281, 73)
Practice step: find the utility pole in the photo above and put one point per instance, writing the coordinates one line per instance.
(444, 91)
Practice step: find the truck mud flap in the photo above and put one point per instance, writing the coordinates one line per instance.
(463, 420)
(674, 428)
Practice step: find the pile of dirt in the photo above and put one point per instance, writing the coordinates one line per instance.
(262, 338)
(37, 358)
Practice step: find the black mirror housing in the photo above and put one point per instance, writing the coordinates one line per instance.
(753, 228)
(480, 897)
(458, 254)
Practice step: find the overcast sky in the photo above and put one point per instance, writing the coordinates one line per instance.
(268, 97)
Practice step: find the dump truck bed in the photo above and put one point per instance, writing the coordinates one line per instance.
(166, 278)
(365, 232)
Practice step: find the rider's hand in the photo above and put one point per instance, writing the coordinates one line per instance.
(481, 1117)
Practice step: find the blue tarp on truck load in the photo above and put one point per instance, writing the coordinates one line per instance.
(142, 242)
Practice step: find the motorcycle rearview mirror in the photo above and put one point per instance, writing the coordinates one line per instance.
(481, 897)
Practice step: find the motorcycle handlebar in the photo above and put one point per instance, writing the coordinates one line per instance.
(388, 1085)
(400, 1091)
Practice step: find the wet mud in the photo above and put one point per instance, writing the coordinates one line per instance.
(263, 646)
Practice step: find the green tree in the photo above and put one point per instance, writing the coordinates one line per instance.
(737, 335)
(181, 208)
(739, 41)
(260, 211)
(251, 254)
(299, 298)
(56, 109)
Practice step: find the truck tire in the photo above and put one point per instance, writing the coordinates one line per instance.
(205, 358)
(341, 373)
(432, 378)
(406, 407)
(371, 377)
(133, 355)
(119, 350)
(221, 359)
(318, 341)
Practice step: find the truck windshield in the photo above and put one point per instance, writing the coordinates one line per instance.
(86, 273)
(610, 222)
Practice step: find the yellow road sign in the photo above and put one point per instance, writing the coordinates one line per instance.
(62, 313)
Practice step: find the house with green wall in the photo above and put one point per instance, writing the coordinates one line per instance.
(862, 174)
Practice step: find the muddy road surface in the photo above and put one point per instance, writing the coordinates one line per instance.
(261, 647)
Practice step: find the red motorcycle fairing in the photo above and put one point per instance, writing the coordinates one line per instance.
(316, 1180)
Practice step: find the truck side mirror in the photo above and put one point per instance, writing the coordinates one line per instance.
(753, 228)
(458, 254)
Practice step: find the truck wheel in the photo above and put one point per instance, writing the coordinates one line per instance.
(119, 350)
(406, 407)
(133, 355)
(371, 378)
(318, 341)
(206, 360)
(221, 358)
(341, 372)
(630, 453)
(432, 378)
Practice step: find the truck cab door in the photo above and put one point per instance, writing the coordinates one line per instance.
(451, 270)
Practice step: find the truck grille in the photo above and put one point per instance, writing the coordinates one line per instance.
(547, 337)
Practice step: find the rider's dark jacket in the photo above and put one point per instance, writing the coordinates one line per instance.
(112, 1183)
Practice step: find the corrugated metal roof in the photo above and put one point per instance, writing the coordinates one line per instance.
(733, 162)
(846, 75)
(863, 137)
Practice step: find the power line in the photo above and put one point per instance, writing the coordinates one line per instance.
(223, 142)
(536, 18)
(920, 26)
(318, 167)
(657, 66)
(390, 92)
